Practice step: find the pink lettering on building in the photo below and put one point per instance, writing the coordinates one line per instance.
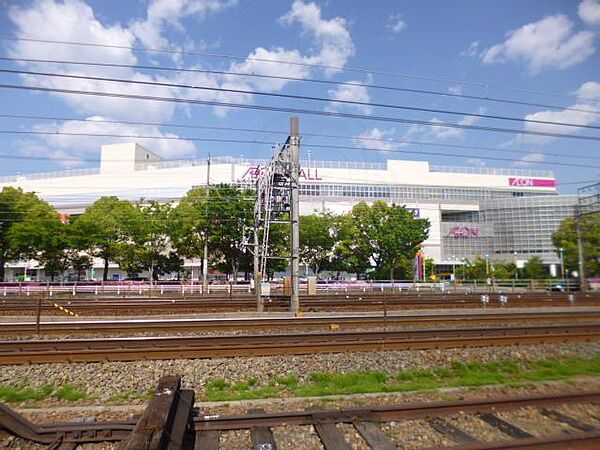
(464, 232)
(531, 182)
(254, 172)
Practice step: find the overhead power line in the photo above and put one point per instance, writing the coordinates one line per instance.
(245, 141)
(297, 97)
(295, 111)
(361, 70)
(305, 80)
(572, 155)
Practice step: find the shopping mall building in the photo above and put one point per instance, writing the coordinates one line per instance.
(506, 214)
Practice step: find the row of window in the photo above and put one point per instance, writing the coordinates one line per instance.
(402, 192)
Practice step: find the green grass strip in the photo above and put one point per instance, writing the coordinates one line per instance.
(15, 394)
(458, 375)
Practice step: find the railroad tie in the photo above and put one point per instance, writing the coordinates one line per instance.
(207, 440)
(262, 437)
(504, 426)
(456, 434)
(376, 438)
(331, 437)
(563, 418)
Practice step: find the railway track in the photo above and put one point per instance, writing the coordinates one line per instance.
(171, 420)
(187, 347)
(349, 302)
(86, 327)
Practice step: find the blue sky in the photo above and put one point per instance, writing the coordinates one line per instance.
(546, 46)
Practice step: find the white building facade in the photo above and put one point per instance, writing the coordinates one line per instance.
(469, 208)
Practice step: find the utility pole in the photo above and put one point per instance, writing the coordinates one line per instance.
(295, 213)
(580, 249)
(588, 204)
(205, 258)
(260, 303)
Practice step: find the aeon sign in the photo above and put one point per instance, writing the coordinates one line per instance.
(306, 174)
(463, 232)
(531, 182)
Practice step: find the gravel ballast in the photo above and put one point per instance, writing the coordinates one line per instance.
(102, 380)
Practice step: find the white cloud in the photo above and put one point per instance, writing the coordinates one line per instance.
(170, 12)
(376, 138)
(350, 92)
(588, 99)
(477, 162)
(455, 89)
(530, 159)
(550, 43)
(441, 133)
(396, 23)
(473, 50)
(81, 25)
(88, 146)
(332, 36)
(589, 11)
(333, 46)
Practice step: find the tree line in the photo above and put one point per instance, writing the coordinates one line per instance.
(378, 241)
(156, 237)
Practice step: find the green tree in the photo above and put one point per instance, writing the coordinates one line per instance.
(148, 245)
(189, 223)
(504, 270)
(534, 268)
(80, 263)
(349, 255)
(389, 232)
(14, 205)
(231, 216)
(476, 269)
(103, 228)
(41, 235)
(317, 240)
(566, 238)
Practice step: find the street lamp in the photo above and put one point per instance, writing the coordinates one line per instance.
(516, 268)
(487, 265)
(562, 263)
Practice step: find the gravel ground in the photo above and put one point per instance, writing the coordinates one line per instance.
(102, 380)
(416, 432)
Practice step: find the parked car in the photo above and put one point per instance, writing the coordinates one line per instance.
(565, 287)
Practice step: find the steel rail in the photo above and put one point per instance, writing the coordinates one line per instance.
(388, 413)
(221, 324)
(237, 304)
(90, 432)
(187, 347)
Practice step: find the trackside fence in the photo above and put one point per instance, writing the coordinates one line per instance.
(193, 288)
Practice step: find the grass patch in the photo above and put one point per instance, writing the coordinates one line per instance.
(471, 374)
(131, 395)
(17, 394)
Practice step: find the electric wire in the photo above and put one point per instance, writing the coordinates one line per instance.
(253, 130)
(297, 111)
(299, 97)
(305, 80)
(486, 86)
(244, 141)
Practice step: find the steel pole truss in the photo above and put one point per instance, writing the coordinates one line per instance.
(277, 201)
